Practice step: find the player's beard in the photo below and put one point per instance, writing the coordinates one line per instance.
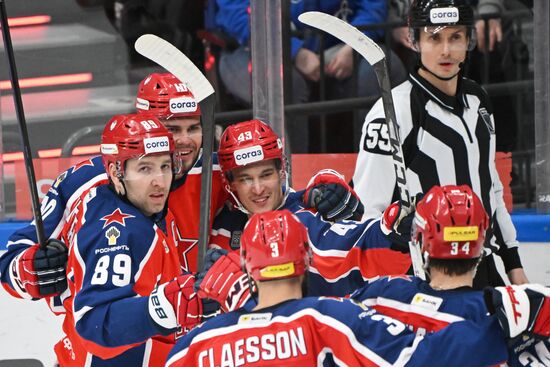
(188, 161)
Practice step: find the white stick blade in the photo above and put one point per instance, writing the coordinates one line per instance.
(174, 61)
(344, 32)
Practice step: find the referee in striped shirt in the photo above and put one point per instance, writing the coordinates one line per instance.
(447, 133)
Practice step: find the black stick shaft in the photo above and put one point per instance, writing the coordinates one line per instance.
(22, 124)
(207, 110)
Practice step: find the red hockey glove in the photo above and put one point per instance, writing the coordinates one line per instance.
(334, 199)
(226, 283)
(396, 224)
(521, 308)
(175, 304)
(37, 273)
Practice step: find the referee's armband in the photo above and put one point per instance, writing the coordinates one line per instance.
(377, 138)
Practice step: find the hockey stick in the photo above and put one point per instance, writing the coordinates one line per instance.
(27, 153)
(174, 61)
(374, 55)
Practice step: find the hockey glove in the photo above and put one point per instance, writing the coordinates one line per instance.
(175, 304)
(38, 273)
(521, 308)
(396, 224)
(212, 255)
(334, 199)
(226, 283)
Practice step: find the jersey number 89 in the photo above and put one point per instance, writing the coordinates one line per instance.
(122, 270)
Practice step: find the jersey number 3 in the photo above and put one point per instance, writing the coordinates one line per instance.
(377, 139)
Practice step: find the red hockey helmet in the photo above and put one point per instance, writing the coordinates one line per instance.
(275, 245)
(134, 136)
(450, 223)
(248, 142)
(165, 96)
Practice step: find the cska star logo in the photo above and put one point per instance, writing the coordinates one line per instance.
(116, 217)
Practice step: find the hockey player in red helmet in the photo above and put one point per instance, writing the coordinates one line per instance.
(450, 226)
(252, 149)
(254, 145)
(139, 141)
(40, 272)
(170, 100)
(286, 329)
(345, 252)
(275, 245)
(125, 272)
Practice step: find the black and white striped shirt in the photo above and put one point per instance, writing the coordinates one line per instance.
(446, 140)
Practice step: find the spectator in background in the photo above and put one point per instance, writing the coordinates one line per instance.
(233, 18)
(504, 57)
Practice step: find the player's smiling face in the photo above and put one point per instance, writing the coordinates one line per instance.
(147, 181)
(258, 186)
(442, 49)
(187, 132)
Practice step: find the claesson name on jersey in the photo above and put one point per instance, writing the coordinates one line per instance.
(182, 105)
(248, 155)
(444, 15)
(156, 145)
(283, 345)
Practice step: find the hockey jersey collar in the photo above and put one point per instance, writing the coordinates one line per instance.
(451, 103)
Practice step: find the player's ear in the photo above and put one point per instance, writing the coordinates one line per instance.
(119, 187)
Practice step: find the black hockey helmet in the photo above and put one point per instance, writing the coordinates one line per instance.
(441, 14)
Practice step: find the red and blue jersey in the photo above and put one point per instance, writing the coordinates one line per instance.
(333, 332)
(345, 253)
(117, 256)
(184, 202)
(63, 193)
(412, 301)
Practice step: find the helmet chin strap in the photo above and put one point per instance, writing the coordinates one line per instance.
(460, 66)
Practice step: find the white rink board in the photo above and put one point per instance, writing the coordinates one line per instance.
(30, 330)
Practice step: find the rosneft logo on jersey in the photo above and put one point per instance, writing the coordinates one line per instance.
(248, 155)
(156, 145)
(444, 15)
(183, 105)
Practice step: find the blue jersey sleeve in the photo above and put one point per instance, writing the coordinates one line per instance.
(65, 190)
(346, 253)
